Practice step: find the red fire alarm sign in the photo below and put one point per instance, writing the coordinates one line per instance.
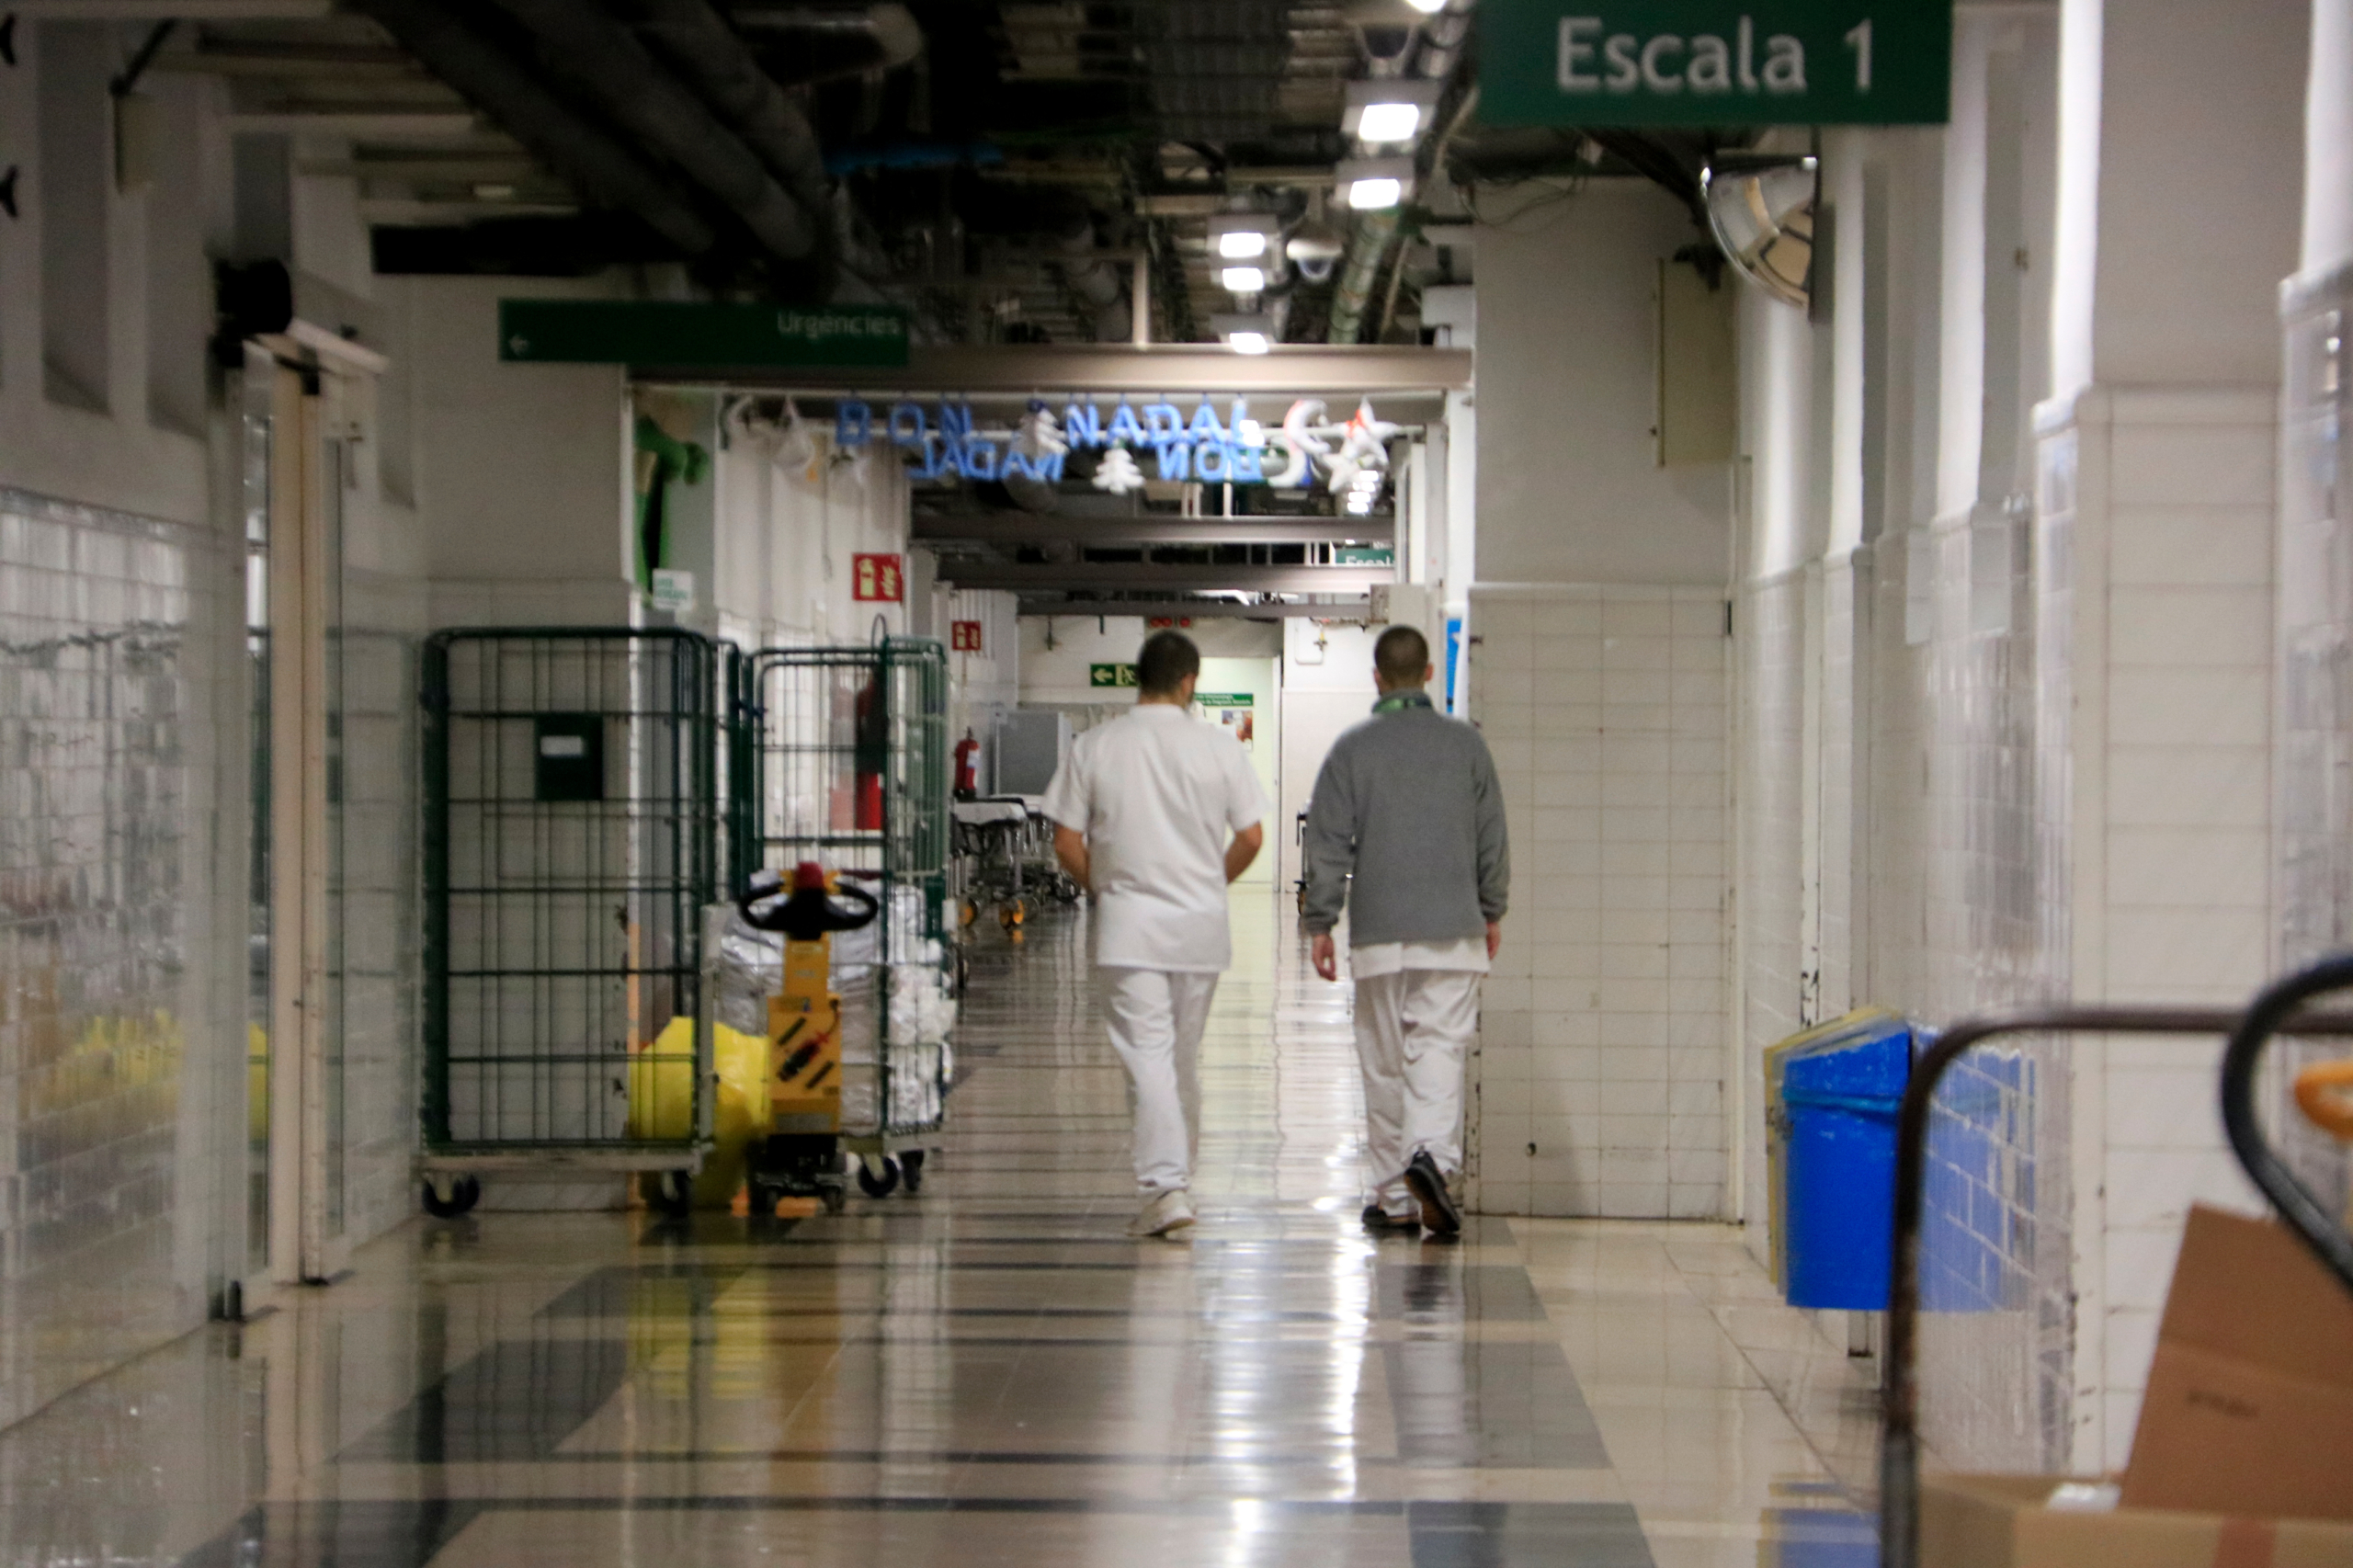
(964, 636)
(877, 578)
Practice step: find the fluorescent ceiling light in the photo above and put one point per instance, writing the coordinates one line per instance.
(1372, 183)
(1389, 112)
(1244, 279)
(1245, 335)
(1428, 8)
(1389, 122)
(1243, 236)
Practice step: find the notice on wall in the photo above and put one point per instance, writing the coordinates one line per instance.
(1236, 710)
(673, 591)
(1715, 63)
(964, 636)
(878, 578)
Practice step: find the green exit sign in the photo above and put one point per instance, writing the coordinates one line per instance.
(700, 333)
(1111, 675)
(1715, 63)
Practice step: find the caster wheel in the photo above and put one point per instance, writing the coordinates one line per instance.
(877, 1179)
(1013, 916)
(668, 1193)
(836, 1199)
(463, 1194)
(911, 1170)
(968, 912)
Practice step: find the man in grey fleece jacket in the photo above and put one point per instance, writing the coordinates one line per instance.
(1406, 829)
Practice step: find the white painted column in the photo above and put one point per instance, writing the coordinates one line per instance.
(2157, 485)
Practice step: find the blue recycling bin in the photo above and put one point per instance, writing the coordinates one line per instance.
(1840, 1102)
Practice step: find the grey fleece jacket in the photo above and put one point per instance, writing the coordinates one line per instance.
(1409, 804)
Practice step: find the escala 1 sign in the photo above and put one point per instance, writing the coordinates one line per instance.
(1715, 63)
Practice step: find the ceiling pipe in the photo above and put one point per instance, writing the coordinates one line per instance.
(588, 47)
(711, 58)
(1436, 57)
(607, 172)
(834, 42)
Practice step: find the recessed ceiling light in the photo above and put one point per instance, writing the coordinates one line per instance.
(1241, 245)
(1247, 342)
(1366, 194)
(1244, 279)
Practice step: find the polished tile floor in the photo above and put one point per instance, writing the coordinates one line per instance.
(990, 1372)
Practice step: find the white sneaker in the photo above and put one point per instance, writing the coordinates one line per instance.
(1167, 1213)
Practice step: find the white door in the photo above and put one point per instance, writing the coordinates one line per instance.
(294, 611)
(1313, 718)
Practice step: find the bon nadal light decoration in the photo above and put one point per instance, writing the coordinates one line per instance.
(944, 445)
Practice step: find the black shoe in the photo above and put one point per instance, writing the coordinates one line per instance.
(1440, 1215)
(1376, 1218)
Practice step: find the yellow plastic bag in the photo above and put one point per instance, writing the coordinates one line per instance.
(661, 1100)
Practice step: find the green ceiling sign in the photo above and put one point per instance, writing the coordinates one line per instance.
(1111, 675)
(1721, 63)
(700, 333)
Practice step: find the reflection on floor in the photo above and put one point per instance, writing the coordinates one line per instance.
(990, 1372)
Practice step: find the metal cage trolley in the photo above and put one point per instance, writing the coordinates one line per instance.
(571, 843)
(840, 757)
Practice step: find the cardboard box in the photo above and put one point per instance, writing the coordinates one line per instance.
(2002, 1521)
(2250, 1403)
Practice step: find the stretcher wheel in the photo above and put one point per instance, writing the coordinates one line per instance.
(462, 1195)
(1013, 913)
(835, 1198)
(911, 1167)
(968, 912)
(877, 1178)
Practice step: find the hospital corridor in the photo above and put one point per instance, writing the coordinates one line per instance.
(1175, 784)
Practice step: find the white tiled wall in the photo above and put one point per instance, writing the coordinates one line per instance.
(1599, 1080)
(2172, 612)
(2313, 891)
(113, 1144)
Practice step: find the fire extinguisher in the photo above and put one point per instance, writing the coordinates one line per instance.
(968, 766)
(871, 753)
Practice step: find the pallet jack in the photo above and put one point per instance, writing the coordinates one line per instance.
(802, 1155)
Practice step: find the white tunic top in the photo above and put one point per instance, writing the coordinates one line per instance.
(1158, 795)
(1370, 960)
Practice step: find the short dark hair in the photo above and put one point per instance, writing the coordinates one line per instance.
(1402, 656)
(1167, 658)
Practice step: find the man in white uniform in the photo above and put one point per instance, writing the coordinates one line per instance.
(1406, 829)
(1142, 812)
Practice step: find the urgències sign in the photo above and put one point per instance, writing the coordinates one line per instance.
(1715, 63)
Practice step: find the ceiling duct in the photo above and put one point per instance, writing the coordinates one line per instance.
(605, 170)
(710, 58)
(827, 42)
(588, 49)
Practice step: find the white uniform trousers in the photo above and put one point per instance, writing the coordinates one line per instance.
(1155, 1018)
(1414, 1032)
